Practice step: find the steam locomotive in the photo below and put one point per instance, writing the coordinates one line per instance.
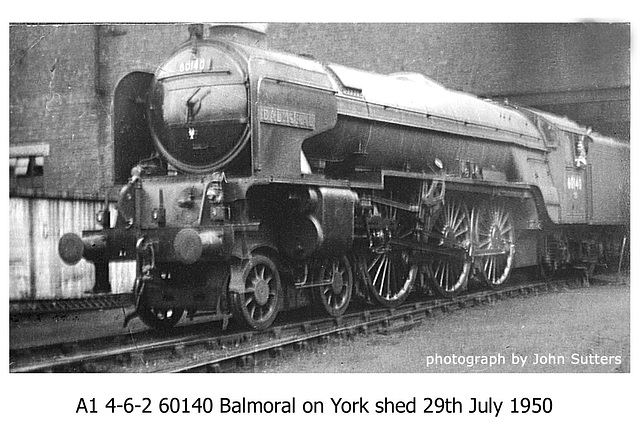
(262, 181)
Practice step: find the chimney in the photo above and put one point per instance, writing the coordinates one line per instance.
(196, 31)
(250, 34)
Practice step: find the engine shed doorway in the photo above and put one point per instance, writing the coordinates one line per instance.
(132, 139)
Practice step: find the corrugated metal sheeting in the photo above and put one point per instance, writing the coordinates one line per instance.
(35, 269)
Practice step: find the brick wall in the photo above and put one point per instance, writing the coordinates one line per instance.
(52, 100)
(60, 92)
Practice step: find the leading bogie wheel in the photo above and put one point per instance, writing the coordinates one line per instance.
(256, 291)
(159, 318)
(334, 285)
(495, 234)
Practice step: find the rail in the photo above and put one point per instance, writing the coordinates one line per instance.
(199, 348)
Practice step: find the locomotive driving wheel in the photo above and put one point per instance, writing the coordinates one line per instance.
(451, 230)
(390, 274)
(494, 236)
(256, 291)
(335, 285)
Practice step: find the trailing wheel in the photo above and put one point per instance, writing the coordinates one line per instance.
(554, 254)
(335, 285)
(495, 237)
(451, 231)
(256, 291)
(390, 274)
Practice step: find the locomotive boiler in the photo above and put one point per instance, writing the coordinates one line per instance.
(262, 181)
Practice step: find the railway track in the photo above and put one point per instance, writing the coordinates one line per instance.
(205, 348)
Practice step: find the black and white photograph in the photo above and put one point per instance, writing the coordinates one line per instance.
(411, 223)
